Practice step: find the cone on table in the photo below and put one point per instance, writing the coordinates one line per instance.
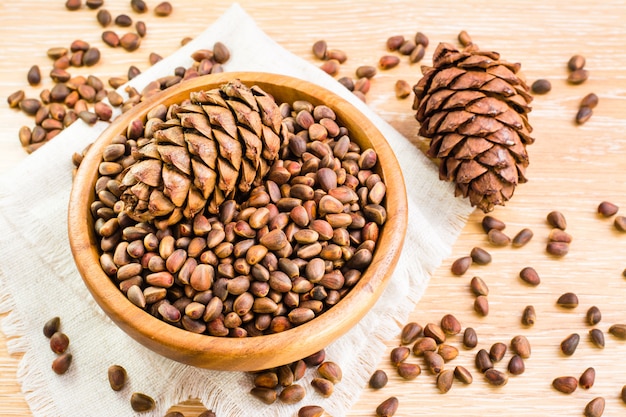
(474, 107)
(199, 153)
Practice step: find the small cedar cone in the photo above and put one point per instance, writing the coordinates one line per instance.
(474, 108)
(201, 152)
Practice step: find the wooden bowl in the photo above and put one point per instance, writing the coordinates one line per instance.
(250, 353)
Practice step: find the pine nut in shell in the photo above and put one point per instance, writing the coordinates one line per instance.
(618, 330)
(498, 238)
(557, 249)
(407, 47)
(366, 71)
(447, 352)
(394, 42)
(323, 386)
(73, 4)
(478, 286)
(595, 407)
(292, 394)
(620, 223)
(61, 363)
(34, 75)
(450, 324)
(489, 222)
(529, 316)
(417, 54)
(497, 351)
(522, 238)
(607, 209)
(483, 361)
(104, 17)
(130, 41)
(163, 9)
(530, 276)
(117, 377)
(470, 339)
(576, 62)
(15, 98)
(421, 39)
(331, 371)
(587, 378)
(557, 219)
(480, 256)
(565, 384)
(464, 38)
(578, 76)
(568, 300)
(409, 371)
(410, 333)
(402, 89)
(388, 407)
(435, 332)
(319, 49)
(59, 342)
(378, 379)
(496, 377)
(445, 380)
(141, 402)
(521, 346)
(463, 375)
(593, 315)
(541, 86)
(590, 100)
(123, 20)
(387, 62)
(311, 411)
(51, 326)
(434, 362)
(94, 4)
(424, 344)
(516, 365)
(331, 67)
(583, 115)
(597, 338)
(266, 395)
(399, 355)
(461, 265)
(481, 305)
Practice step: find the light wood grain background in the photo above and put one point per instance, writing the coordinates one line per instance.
(573, 168)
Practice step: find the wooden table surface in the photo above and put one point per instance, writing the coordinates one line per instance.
(573, 168)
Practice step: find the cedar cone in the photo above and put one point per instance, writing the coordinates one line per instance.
(200, 153)
(474, 108)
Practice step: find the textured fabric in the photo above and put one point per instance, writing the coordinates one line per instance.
(38, 278)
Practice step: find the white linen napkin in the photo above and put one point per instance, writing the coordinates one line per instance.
(38, 278)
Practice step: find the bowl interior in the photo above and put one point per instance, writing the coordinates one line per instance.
(250, 353)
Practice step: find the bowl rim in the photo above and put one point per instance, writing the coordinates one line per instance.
(249, 353)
